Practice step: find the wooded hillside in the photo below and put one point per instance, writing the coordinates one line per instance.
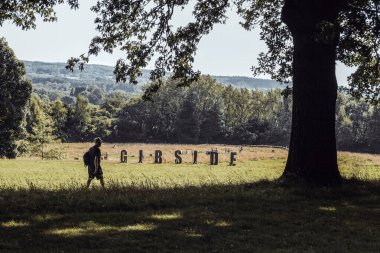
(54, 81)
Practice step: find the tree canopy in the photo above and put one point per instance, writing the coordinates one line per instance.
(15, 88)
(15, 93)
(23, 13)
(143, 29)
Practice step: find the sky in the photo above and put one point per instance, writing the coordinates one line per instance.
(228, 50)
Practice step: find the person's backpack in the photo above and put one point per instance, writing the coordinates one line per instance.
(86, 158)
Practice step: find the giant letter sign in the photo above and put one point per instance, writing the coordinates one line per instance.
(214, 157)
(141, 156)
(178, 159)
(123, 156)
(195, 157)
(233, 158)
(158, 156)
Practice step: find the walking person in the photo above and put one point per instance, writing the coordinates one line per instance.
(94, 168)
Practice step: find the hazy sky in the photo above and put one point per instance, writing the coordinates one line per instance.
(227, 50)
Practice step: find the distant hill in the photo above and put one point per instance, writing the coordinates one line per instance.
(53, 80)
(248, 82)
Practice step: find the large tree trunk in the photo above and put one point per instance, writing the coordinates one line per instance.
(312, 152)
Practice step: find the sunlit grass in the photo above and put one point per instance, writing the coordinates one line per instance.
(359, 166)
(93, 228)
(220, 223)
(68, 174)
(166, 216)
(14, 224)
(30, 174)
(327, 208)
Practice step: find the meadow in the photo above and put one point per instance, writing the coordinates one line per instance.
(44, 206)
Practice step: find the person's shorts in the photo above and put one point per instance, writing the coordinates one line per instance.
(92, 175)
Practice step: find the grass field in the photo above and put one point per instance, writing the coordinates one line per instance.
(186, 208)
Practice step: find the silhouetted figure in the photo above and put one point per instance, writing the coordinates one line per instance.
(94, 168)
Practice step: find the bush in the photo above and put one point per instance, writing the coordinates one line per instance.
(55, 154)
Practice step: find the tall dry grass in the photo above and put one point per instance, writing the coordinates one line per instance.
(75, 151)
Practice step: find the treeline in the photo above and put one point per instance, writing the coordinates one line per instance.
(205, 112)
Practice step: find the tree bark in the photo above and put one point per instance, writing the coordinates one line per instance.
(312, 151)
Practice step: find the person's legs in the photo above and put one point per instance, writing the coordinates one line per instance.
(101, 182)
(99, 176)
(89, 182)
(90, 175)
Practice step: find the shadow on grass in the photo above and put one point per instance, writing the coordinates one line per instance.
(258, 217)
